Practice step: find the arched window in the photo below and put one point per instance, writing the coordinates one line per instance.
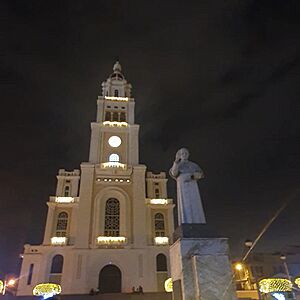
(159, 224)
(62, 224)
(57, 264)
(56, 269)
(161, 263)
(114, 157)
(67, 191)
(112, 217)
(116, 93)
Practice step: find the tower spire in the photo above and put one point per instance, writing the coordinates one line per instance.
(116, 85)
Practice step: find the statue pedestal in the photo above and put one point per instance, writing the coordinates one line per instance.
(200, 268)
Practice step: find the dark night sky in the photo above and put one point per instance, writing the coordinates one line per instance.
(218, 77)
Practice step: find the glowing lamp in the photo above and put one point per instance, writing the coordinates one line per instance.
(115, 124)
(46, 290)
(272, 285)
(64, 199)
(159, 201)
(161, 240)
(11, 282)
(169, 285)
(278, 296)
(111, 240)
(58, 241)
(238, 266)
(1, 286)
(116, 98)
(113, 164)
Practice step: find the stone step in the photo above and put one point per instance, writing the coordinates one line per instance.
(120, 296)
(115, 296)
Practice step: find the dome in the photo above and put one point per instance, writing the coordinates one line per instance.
(117, 75)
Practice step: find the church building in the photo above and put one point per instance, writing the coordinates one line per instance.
(110, 224)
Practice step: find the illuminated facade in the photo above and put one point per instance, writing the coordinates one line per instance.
(110, 224)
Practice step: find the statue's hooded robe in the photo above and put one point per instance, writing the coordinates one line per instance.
(190, 209)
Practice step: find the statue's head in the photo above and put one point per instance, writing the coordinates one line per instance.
(183, 154)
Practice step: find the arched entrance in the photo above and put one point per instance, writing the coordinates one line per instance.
(110, 279)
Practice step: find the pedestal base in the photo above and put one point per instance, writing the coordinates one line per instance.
(201, 269)
(194, 231)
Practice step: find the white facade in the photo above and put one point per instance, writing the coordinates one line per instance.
(112, 214)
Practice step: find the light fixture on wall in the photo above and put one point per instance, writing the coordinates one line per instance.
(116, 98)
(111, 240)
(159, 201)
(113, 164)
(115, 124)
(64, 199)
(161, 240)
(59, 240)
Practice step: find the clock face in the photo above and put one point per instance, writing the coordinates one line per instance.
(114, 141)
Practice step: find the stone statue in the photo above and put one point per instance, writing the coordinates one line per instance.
(186, 173)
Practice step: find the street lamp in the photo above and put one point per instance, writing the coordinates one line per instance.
(248, 244)
(238, 266)
(8, 283)
(283, 258)
(11, 282)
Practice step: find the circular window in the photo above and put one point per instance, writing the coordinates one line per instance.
(114, 141)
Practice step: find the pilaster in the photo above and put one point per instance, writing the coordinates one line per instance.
(95, 143)
(100, 110)
(85, 205)
(49, 223)
(133, 146)
(138, 206)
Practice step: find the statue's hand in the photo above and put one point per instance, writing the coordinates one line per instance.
(177, 158)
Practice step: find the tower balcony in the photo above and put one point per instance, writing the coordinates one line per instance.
(111, 241)
(158, 201)
(113, 164)
(119, 99)
(115, 124)
(109, 169)
(64, 200)
(161, 241)
(59, 241)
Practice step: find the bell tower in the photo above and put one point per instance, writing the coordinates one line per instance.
(114, 137)
(112, 215)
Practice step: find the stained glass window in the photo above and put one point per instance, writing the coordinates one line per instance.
(112, 217)
(62, 224)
